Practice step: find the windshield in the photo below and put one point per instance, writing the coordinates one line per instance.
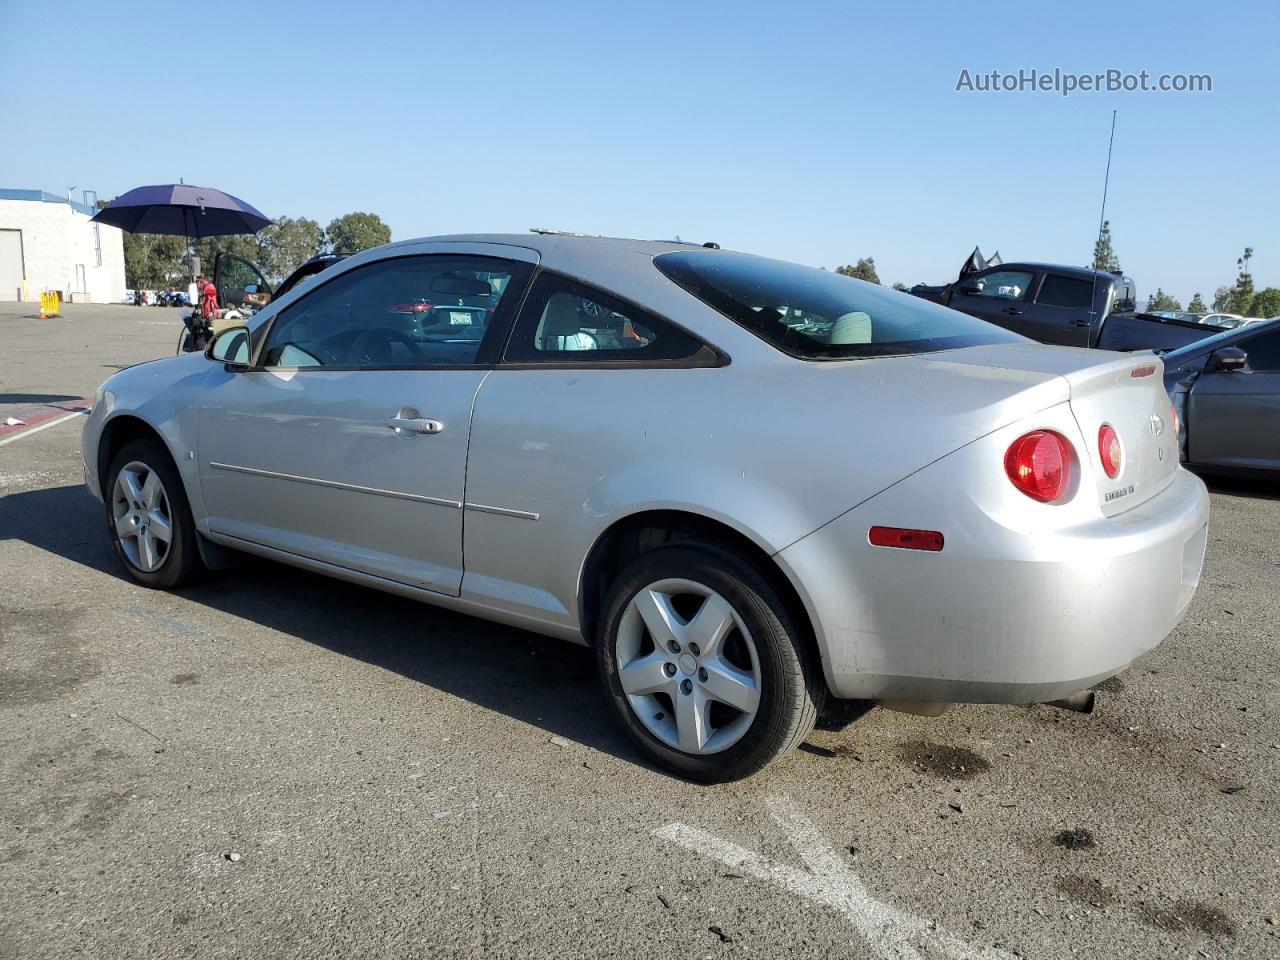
(816, 315)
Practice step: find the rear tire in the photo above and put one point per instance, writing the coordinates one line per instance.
(704, 663)
(148, 517)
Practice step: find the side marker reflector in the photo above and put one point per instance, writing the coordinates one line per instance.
(1142, 371)
(930, 540)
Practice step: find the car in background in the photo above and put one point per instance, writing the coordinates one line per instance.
(1057, 304)
(1236, 323)
(1226, 392)
(750, 485)
(1227, 321)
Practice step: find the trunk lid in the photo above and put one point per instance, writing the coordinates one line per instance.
(1123, 390)
(1129, 395)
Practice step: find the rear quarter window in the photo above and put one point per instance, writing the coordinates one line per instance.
(816, 315)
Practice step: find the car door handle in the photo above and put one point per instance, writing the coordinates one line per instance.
(414, 425)
(1013, 312)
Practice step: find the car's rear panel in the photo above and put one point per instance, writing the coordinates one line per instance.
(1025, 600)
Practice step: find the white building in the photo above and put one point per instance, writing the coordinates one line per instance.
(48, 243)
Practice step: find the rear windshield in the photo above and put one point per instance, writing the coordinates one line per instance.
(816, 315)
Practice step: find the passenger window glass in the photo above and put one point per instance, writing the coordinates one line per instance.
(408, 312)
(564, 321)
(1059, 291)
(1004, 284)
(1264, 352)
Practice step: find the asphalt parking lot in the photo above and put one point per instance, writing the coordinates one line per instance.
(273, 764)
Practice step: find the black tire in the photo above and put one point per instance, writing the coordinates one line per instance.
(791, 686)
(181, 563)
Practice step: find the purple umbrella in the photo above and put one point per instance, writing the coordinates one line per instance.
(181, 210)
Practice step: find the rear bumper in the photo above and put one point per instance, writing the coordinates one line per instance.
(1001, 614)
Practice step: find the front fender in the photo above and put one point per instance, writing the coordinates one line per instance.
(161, 398)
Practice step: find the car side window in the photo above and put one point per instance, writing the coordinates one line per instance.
(564, 321)
(1004, 284)
(1060, 291)
(1263, 351)
(401, 313)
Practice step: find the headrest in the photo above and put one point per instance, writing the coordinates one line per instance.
(560, 317)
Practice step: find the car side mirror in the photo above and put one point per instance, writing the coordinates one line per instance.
(972, 289)
(1227, 360)
(231, 347)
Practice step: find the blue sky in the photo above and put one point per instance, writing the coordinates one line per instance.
(818, 132)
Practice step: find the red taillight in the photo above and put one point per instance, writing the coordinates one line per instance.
(1039, 464)
(904, 538)
(1109, 450)
(1177, 424)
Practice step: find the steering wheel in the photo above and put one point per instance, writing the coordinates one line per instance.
(363, 349)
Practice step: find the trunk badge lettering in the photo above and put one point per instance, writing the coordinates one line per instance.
(1156, 424)
(1117, 494)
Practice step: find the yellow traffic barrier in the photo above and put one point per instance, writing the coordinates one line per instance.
(49, 303)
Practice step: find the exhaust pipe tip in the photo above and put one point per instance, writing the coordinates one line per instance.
(1081, 702)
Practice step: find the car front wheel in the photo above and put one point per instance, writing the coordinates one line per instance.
(148, 517)
(705, 664)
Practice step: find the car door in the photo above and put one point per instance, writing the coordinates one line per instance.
(239, 283)
(1060, 312)
(346, 442)
(1234, 416)
(998, 296)
(584, 387)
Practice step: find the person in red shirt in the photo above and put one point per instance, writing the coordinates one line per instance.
(208, 298)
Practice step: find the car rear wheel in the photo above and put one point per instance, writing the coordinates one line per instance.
(705, 664)
(148, 516)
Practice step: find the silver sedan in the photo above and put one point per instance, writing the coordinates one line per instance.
(750, 485)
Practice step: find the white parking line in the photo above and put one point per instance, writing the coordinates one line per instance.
(44, 426)
(893, 934)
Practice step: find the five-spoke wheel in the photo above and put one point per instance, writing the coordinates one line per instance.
(140, 509)
(149, 517)
(688, 665)
(704, 662)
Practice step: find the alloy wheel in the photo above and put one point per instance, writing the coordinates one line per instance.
(688, 666)
(141, 516)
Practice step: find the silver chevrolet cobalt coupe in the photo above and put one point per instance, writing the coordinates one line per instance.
(749, 485)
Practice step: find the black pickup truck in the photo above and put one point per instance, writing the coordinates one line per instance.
(1072, 306)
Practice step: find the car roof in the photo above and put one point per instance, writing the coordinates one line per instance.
(1084, 272)
(554, 242)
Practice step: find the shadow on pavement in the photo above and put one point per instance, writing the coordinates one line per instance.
(541, 681)
(1256, 488)
(36, 398)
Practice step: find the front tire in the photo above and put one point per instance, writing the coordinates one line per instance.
(705, 664)
(149, 518)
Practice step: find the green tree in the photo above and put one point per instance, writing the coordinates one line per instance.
(864, 269)
(287, 243)
(1104, 255)
(1241, 296)
(154, 262)
(1221, 297)
(357, 231)
(1162, 301)
(900, 286)
(1197, 305)
(1266, 303)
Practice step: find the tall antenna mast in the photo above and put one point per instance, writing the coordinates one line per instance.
(1102, 218)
